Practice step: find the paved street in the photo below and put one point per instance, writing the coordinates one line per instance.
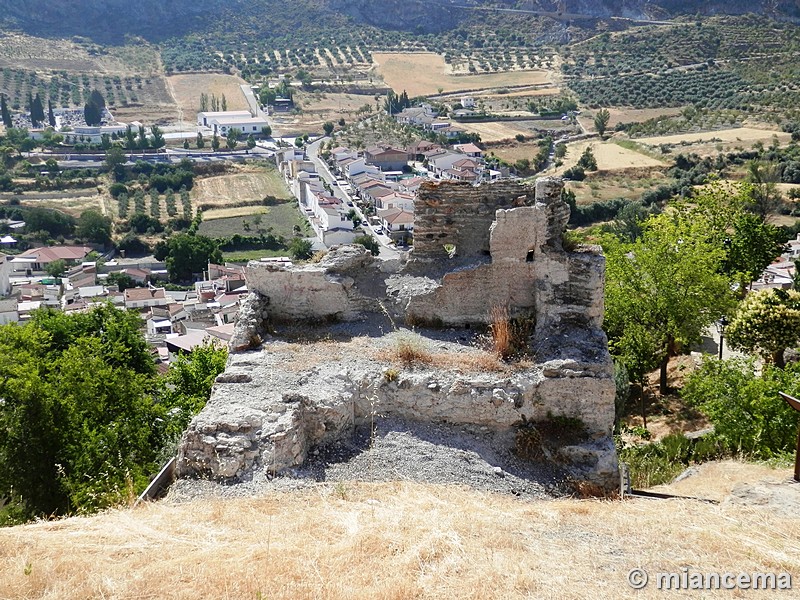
(312, 150)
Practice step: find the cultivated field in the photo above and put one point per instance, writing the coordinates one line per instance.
(399, 540)
(186, 90)
(607, 185)
(493, 131)
(610, 156)
(735, 136)
(280, 220)
(248, 187)
(38, 54)
(423, 73)
(627, 115)
(72, 202)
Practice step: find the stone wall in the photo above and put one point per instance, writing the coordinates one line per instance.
(461, 214)
(510, 253)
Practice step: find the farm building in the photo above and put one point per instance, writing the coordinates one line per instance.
(222, 122)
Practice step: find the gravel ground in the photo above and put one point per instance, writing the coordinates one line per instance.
(401, 451)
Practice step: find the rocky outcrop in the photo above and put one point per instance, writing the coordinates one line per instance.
(274, 404)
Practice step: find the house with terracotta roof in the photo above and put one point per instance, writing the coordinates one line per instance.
(470, 150)
(398, 223)
(37, 259)
(136, 298)
(386, 158)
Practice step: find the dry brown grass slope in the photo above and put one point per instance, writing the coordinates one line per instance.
(392, 541)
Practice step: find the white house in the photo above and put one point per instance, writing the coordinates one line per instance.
(145, 297)
(468, 102)
(223, 121)
(5, 274)
(397, 223)
(8, 311)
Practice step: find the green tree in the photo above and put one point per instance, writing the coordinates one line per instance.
(587, 160)
(157, 137)
(662, 291)
(201, 143)
(186, 144)
(765, 198)
(37, 111)
(51, 117)
(251, 142)
(369, 242)
(266, 131)
(57, 268)
(93, 109)
(601, 121)
(94, 227)
(215, 143)
(4, 112)
(232, 139)
(189, 380)
(120, 279)
(130, 139)
(327, 127)
(301, 248)
(748, 414)
(78, 416)
(766, 323)
(143, 143)
(115, 162)
(188, 254)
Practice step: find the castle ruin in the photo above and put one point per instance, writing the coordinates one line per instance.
(475, 248)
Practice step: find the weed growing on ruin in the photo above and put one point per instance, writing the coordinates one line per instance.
(571, 241)
(410, 349)
(390, 375)
(509, 337)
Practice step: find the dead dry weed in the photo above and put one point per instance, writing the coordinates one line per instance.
(389, 541)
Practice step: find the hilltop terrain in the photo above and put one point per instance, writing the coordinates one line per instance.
(158, 20)
(400, 540)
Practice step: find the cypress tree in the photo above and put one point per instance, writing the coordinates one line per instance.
(37, 111)
(4, 111)
(51, 118)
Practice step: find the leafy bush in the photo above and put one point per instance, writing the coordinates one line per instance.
(748, 414)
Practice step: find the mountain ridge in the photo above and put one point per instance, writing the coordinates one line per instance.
(110, 20)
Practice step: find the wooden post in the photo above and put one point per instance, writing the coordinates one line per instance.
(795, 404)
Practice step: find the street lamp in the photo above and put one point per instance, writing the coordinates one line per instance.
(721, 325)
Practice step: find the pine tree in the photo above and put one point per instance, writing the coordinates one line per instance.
(6, 115)
(51, 117)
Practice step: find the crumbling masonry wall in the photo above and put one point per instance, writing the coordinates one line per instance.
(509, 252)
(461, 214)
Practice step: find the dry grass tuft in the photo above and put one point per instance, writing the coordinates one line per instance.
(410, 349)
(389, 541)
(500, 328)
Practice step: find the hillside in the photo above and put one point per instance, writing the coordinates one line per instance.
(396, 541)
(109, 21)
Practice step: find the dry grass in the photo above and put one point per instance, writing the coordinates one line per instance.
(222, 191)
(423, 73)
(736, 135)
(610, 156)
(410, 349)
(186, 90)
(715, 480)
(501, 329)
(494, 131)
(389, 541)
